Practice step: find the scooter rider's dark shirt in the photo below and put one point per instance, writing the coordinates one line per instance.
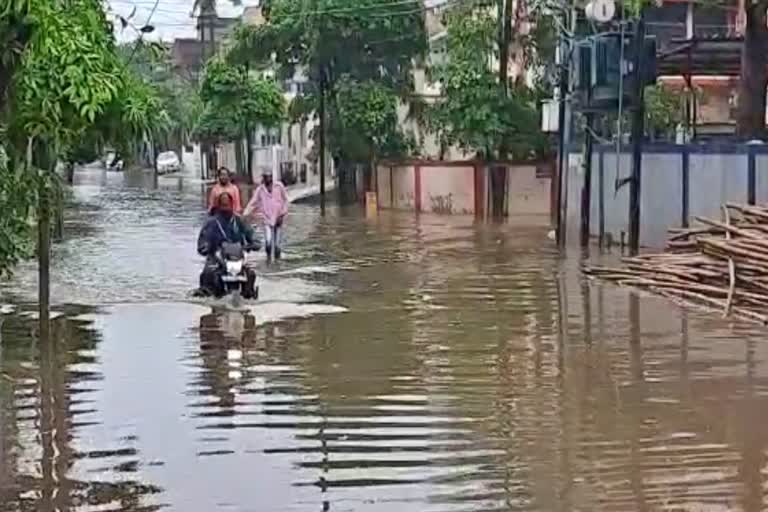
(221, 228)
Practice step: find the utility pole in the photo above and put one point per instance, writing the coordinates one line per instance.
(499, 171)
(586, 191)
(638, 130)
(562, 129)
(321, 153)
(586, 188)
(206, 33)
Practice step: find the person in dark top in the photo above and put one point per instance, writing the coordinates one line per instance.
(223, 226)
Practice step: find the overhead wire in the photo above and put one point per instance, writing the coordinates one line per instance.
(338, 10)
(141, 33)
(368, 9)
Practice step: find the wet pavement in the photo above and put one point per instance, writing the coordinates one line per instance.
(403, 363)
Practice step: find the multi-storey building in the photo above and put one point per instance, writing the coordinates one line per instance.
(685, 28)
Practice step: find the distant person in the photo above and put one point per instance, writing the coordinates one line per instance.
(270, 201)
(224, 184)
(224, 226)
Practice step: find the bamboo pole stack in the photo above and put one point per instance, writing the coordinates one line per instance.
(718, 265)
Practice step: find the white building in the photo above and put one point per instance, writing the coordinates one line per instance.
(428, 91)
(288, 149)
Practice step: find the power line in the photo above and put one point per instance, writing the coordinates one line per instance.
(338, 10)
(141, 34)
(394, 14)
(128, 7)
(374, 6)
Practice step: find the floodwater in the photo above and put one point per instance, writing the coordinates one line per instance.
(410, 364)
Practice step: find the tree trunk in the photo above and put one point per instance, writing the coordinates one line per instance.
(239, 160)
(249, 152)
(498, 189)
(44, 257)
(750, 121)
(70, 171)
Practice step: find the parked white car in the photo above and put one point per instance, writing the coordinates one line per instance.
(167, 162)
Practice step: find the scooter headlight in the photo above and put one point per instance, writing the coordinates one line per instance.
(234, 267)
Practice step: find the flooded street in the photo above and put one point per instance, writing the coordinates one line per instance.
(406, 363)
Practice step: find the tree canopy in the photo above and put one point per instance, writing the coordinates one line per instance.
(233, 100)
(475, 111)
(62, 84)
(362, 39)
(361, 51)
(367, 121)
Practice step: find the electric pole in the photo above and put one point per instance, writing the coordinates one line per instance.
(563, 125)
(638, 131)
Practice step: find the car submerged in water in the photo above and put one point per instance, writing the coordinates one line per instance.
(168, 162)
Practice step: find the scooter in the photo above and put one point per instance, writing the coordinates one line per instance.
(233, 276)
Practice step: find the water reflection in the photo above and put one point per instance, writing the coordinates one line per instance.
(41, 420)
(426, 407)
(415, 364)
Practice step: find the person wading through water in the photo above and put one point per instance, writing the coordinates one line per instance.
(270, 201)
(224, 184)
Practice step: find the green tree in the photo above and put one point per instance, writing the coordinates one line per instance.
(663, 111)
(367, 121)
(66, 75)
(475, 112)
(336, 43)
(16, 191)
(234, 102)
(137, 113)
(179, 96)
(60, 75)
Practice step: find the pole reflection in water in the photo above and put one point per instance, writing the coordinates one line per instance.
(636, 418)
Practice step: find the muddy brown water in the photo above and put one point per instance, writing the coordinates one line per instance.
(410, 364)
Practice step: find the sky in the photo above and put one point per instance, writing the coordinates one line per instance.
(173, 18)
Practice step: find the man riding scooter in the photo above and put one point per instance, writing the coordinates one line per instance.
(223, 227)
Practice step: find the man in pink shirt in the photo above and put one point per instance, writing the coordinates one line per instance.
(225, 185)
(271, 202)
